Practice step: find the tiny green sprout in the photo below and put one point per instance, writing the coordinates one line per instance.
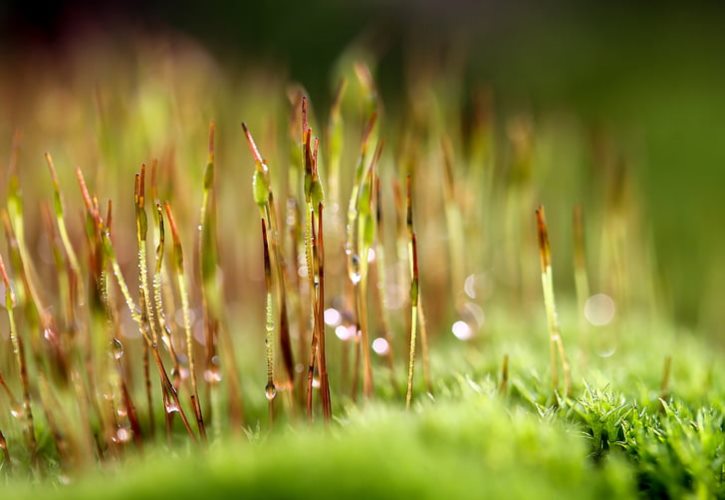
(666, 374)
(504, 382)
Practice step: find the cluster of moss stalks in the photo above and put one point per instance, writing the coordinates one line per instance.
(105, 356)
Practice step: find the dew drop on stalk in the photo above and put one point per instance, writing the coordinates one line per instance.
(371, 255)
(170, 405)
(355, 269)
(316, 382)
(117, 348)
(213, 375)
(270, 391)
(123, 435)
(49, 335)
(17, 411)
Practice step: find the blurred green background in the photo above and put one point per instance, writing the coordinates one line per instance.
(652, 76)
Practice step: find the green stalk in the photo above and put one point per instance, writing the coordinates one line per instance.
(382, 281)
(184, 294)
(58, 205)
(16, 222)
(581, 277)
(335, 138)
(314, 197)
(270, 390)
(147, 314)
(157, 284)
(65, 280)
(19, 352)
(212, 303)
(324, 377)
(414, 293)
(354, 247)
(556, 345)
(454, 222)
(264, 199)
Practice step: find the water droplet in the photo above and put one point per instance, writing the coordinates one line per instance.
(315, 382)
(371, 255)
(381, 346)
(170, 405)
(355, 278)
(116, 348)
(462, 330)
(478, 286)
(599, 309)
(270, 391)
(607, 352)
(474, 313)
(49, 335)
(213, 375)
(121, 412)
(123, 435)
(17, 411)
(345, 333)
(332, 316)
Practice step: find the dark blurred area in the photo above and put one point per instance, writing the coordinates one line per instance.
(650, 71)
